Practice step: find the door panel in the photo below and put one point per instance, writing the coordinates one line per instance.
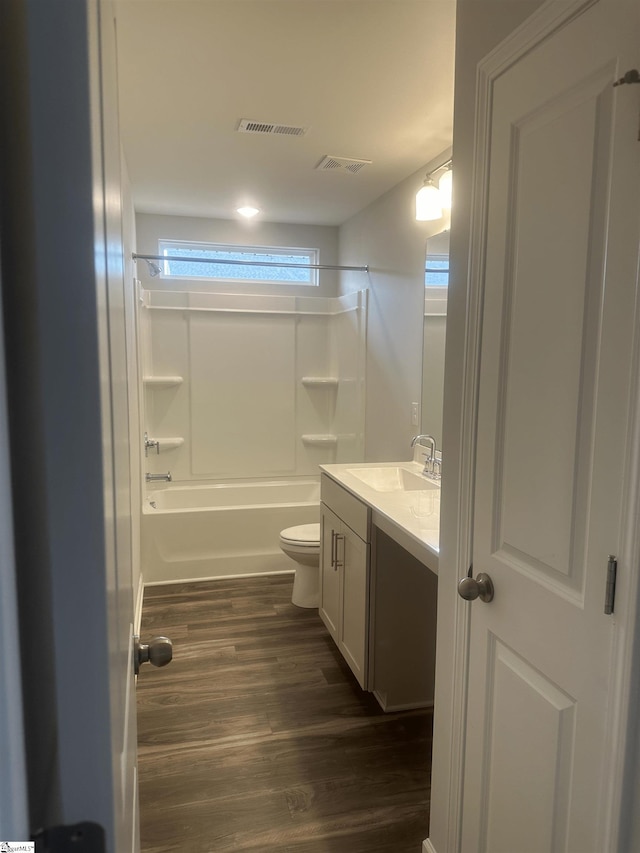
(557, 337)
(353, 555)
(329, 575)
(532, 728)
(551, 304)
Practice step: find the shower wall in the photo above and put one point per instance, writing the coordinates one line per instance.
(250, 387)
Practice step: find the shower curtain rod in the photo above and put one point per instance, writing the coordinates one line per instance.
(137, 257)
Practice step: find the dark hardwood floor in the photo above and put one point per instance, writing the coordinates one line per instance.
(257, 736)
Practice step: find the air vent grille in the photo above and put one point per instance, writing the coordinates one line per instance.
(341, 164)
(249, 126)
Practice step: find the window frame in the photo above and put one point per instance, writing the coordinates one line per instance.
(311, 255)
(436, 257)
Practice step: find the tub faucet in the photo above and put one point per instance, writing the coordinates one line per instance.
(430, 462)
(151, 478)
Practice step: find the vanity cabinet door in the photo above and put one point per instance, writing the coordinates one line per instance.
(330, 577)
(354, 561)
(344, 590)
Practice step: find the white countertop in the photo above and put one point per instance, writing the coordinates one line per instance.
(411, 518)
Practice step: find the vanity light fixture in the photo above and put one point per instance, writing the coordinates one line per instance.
(248, 212)
(432, 199)
(428, 204)
(445, 185)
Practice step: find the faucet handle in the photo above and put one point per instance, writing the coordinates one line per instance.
(151, 442)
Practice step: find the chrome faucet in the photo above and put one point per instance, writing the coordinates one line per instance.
(152, 478)
(430, 462)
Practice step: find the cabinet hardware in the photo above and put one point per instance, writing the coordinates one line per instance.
(610, 587)
(339, 538)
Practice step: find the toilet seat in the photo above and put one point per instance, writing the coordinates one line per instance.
(304, 538)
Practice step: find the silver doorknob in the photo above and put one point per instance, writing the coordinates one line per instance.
(471, 588)
(158, 652)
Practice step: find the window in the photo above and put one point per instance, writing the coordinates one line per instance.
(437, 271)
(278, 263)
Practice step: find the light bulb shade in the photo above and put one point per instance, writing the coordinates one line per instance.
(428, 203)
(444, 186)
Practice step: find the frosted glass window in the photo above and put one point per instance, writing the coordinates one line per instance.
(281, 265)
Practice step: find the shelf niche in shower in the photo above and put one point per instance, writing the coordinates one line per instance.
(162, 381)
(321, 440)
(320, 381)
(165, 444)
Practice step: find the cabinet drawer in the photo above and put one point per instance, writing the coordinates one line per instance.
(352, 511)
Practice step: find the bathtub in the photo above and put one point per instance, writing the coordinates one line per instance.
(225, 530)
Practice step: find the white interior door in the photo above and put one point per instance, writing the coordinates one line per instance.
(64, 347)
(560, 280)
(112, 329)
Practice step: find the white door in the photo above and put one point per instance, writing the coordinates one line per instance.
(115, 396)
(62, 279)
(560, 279)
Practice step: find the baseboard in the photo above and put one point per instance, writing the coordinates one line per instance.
(220, 577)
(228, 566)
(427, 846)
(402, 706)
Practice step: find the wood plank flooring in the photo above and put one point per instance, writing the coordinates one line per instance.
(257, 736)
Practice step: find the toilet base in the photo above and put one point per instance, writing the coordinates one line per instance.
(306, 586)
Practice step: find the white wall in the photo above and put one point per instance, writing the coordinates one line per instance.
(154, 227)
(480, 26)
(386, 237)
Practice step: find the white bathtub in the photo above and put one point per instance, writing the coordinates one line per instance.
(199, 532)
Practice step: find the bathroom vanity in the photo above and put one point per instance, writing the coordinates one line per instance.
(378, 576)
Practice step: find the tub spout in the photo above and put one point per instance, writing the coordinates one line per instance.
(152, 478)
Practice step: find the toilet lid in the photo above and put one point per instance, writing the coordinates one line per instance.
(306, 535)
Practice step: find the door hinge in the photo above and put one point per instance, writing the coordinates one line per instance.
(83, 837)
(610, 588)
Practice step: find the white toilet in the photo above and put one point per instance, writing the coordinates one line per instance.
(302, 544)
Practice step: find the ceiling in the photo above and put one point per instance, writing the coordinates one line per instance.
(371, 79)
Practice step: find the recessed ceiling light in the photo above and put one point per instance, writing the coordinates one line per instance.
(249, 212)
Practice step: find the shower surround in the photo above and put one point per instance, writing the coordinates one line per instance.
(245, 396)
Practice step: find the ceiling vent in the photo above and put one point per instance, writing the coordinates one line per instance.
(341, 164)
(269, 127)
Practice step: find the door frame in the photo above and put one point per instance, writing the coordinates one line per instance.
(542, 24)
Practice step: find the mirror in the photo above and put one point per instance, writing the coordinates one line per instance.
(434, 334)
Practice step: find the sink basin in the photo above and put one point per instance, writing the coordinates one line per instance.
(392, 479)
